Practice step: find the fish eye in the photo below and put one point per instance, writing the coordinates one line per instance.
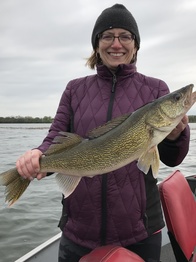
(177, 97)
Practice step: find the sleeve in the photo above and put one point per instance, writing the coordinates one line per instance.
(172, 153)
(61, 120)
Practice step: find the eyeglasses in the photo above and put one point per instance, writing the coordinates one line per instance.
(109, 39)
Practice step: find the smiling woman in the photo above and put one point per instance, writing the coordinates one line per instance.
(116, 46)
(107, 31)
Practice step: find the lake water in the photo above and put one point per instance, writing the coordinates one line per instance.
(34, 218)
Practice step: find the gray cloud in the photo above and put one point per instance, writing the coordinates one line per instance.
(43, 45)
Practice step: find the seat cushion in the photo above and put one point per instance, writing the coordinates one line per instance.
(179, 208)
(111, 254)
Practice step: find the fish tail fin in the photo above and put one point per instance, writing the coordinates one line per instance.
(67, 184)
(15, 185)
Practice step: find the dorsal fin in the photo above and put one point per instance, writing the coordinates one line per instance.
(63, 142)
(101, 130)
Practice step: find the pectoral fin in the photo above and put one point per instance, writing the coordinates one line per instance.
(149, 158)
(67, 184)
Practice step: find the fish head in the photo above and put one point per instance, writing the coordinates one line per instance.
(176, 104)
(168, 110)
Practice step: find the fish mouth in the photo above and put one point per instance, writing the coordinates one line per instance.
(193, 96)
(190, 97)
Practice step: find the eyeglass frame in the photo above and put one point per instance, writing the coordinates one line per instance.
(132, 37)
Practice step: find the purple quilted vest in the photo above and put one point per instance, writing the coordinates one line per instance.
(85, 104)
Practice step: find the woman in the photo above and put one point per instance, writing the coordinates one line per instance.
(121, 207)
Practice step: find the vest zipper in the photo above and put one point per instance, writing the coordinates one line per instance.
(114, 83)
(110, 107)
(104, 177)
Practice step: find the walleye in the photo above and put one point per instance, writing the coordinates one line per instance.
(109, 147)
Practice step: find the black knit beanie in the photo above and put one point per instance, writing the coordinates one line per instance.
(116, 16)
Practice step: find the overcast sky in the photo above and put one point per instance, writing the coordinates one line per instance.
(44, 44)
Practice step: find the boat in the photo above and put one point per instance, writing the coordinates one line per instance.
(48, 251)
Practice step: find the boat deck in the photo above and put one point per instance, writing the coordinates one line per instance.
(167, 254)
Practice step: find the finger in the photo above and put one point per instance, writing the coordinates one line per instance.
(21, 165)
(28, 168)
(41, 175)
(185, 120)
(35, 161)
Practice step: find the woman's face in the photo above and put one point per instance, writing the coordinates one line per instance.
(115, 51)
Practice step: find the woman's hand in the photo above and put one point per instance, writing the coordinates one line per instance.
(178, 129)
(28, 165)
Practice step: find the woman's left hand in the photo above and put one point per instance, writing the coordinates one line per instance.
(175, 133)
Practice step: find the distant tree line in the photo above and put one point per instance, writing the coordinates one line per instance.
(48, 119)
(192, 119)
(26, 119)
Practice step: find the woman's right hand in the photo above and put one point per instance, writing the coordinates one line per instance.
(28, 165)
